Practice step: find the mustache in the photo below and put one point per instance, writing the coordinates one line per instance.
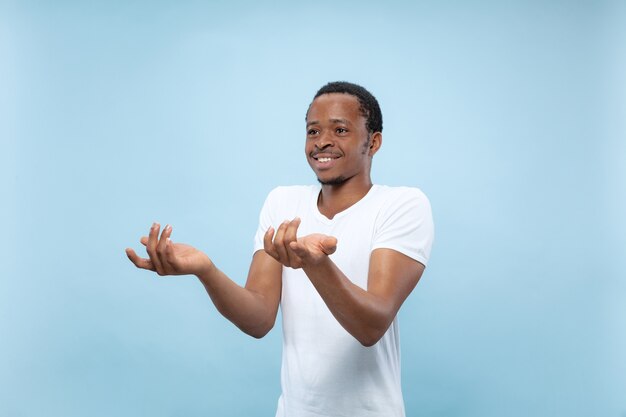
(325, 153)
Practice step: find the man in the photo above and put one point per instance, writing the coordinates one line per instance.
(339, 258)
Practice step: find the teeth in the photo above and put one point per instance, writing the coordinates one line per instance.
(324, 159)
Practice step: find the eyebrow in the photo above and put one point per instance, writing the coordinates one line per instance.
(316, 122)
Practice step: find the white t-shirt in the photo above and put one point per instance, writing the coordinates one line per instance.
(325, 370)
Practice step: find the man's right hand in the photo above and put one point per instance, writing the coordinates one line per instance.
(167, 257)
(297, 252)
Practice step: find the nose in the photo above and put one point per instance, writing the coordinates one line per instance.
(324, 140)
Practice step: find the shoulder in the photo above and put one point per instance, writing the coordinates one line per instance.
(405, 223)
(286, 199)
(291, 192)
(287, 202)
(398, 196)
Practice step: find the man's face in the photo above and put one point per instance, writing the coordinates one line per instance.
(338, 145)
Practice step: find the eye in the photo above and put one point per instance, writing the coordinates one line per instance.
(312, 132)
(341, 130)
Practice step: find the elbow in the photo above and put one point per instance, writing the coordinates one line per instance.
(370, 334)
(368, 342)
(258, 332)
(370, 338)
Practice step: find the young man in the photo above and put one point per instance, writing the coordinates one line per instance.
(339, 258)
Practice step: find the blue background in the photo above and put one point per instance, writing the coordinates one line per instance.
(509, 115)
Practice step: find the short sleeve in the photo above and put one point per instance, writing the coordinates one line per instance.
(405, 224)
(265, 220)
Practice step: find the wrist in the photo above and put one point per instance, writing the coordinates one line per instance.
(207, 271)
(323, 263)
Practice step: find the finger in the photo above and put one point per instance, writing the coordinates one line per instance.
(329, 245)
(169, 255)
(298, 252)
(165, 234)
(279, 244)
(290, 236)
(139, 262)
(144, 240)
(291, 231)
(268, 245)
(153, 240)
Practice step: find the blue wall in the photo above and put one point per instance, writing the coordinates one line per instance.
(509, 115)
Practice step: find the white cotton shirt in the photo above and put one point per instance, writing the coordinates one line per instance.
(325, 370)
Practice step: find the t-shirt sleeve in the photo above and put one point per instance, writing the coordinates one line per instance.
(265, 220)
(405, 224)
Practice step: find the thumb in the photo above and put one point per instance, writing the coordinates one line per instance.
(329, 245)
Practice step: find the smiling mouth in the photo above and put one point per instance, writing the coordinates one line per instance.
(323, 162)
(325, 157)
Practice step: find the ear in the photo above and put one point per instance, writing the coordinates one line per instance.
(376, 141)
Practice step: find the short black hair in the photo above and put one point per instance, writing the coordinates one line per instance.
(368, 104)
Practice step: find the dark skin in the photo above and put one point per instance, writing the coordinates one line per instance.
(339, 149)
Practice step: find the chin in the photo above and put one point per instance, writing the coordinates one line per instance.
(332, 181)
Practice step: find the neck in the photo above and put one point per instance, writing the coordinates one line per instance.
(336, 198)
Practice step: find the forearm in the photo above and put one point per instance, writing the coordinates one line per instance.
(363, 314)
(247, 309)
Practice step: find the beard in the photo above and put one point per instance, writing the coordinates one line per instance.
(333, 181)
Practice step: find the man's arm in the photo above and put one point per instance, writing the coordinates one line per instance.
(252, 308)
(365, 314)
